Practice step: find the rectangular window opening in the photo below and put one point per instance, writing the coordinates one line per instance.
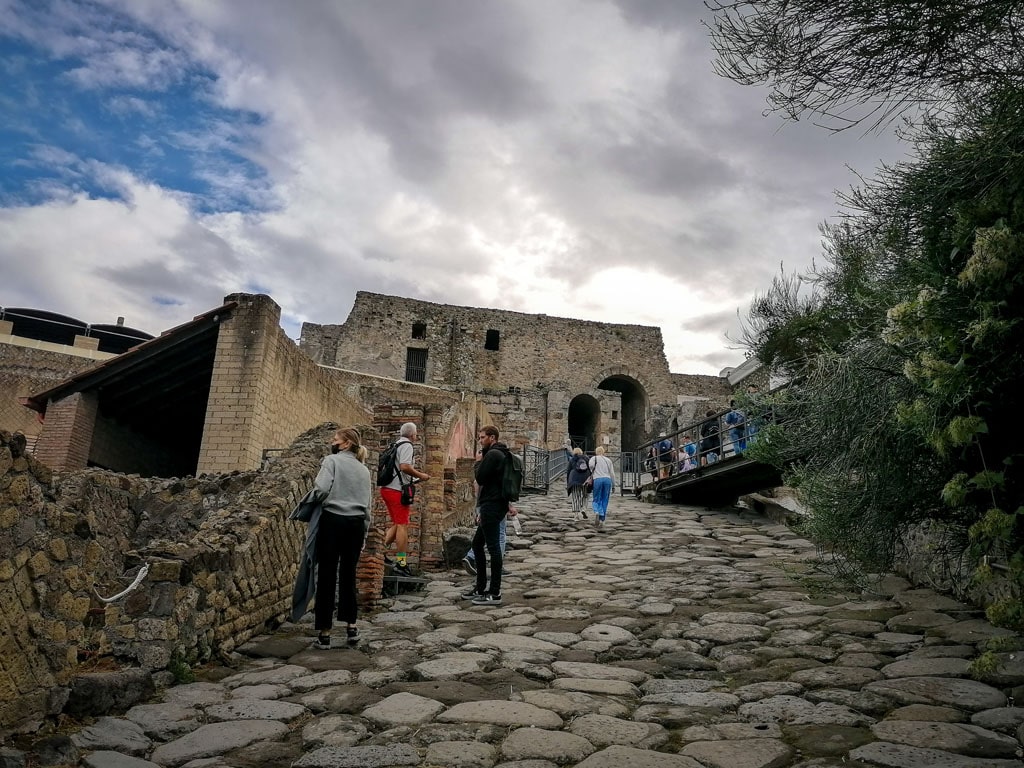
(615, 415)
(493, 340)
(419, 330)
(416, 365)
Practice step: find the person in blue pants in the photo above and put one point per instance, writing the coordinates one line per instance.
(603, 472)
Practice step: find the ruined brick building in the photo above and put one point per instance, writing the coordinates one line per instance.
(209, 402)
(543, 379)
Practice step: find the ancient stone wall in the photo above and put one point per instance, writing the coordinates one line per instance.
(527, 350)
(527, 369)
(221, 553)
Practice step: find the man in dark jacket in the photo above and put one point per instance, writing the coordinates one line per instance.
(489, 471)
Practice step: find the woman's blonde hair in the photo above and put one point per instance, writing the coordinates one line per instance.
(600, 450)
(577, 451)
(355, 442)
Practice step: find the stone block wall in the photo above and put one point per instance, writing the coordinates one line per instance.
(26, 370)
(714, 388)
(533, 351)
(264, 390)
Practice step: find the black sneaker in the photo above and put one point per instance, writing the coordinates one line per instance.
(322, 642)
(487, 599)
(473, 594)
(389, 560)
(402, 570)
(351, 635)
(469, 566)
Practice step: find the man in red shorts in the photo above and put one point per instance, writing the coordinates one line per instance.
(398, 533)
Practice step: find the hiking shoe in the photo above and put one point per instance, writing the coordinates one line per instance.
(351, 635)
(469, 566)
(322, 642)
(402, 570)
(487, 599)
(473, 594)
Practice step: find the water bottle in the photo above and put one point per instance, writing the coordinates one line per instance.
(517, 526)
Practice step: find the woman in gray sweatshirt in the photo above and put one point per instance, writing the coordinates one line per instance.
(343, 489)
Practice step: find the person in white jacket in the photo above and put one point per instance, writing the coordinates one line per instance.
(604, 481)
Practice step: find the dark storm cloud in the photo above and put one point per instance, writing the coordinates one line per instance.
(466, 54)
(662, 14)
(726, 358)
(670, 168)
(482, 83)
(715, 322)
(164, 285)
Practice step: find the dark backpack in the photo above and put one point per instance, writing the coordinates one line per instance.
(387, 464)
(512, 477)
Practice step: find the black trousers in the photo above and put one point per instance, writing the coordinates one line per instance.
(338, 544)
(487, 532)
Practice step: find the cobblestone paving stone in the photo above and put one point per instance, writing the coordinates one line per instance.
(676, 637)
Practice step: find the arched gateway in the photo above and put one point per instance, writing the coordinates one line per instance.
(584, 419)
(634, 408)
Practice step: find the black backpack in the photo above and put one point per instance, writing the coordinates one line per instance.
(387, 464)
(512, 477)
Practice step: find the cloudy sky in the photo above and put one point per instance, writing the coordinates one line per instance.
(576, 158)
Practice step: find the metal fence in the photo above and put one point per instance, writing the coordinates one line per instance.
(712, 439)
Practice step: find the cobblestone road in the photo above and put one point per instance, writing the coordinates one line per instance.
(677, 637)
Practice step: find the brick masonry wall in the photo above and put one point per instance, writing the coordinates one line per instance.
(264, 391)
(25, 371)
(66, 438)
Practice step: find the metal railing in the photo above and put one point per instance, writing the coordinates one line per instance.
(536, 469)
(708, 441)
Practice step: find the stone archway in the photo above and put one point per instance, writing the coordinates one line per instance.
(584, 420)
(634, 407)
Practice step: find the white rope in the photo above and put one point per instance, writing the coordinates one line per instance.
(138, 580)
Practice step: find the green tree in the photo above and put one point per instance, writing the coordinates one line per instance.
(859, 60)
(909, 406)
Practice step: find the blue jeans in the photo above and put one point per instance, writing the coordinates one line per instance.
(738, 436)
(502, 540)
(602, 493)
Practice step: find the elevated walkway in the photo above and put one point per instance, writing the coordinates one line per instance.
(717, 484)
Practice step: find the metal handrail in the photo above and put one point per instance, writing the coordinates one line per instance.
(647, 457)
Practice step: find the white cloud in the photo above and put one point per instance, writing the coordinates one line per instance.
(573, 158)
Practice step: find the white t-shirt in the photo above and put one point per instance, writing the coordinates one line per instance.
(403, 456)
(602, 466)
